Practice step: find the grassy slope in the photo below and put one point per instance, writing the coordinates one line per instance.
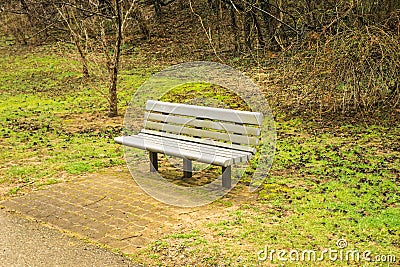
(327, 182)
(53, 123)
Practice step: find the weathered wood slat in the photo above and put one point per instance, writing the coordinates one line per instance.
(237, 156)
(201, 141)
(194, 146)
(190, 121)
(234, 138)
(229, 115)
(169, 149)
(141, 143)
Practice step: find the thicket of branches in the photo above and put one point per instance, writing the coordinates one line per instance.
(98, 25)
(341, 55)
(335, 55)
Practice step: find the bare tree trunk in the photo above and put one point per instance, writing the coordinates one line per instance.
(113, 109)
(113, 67)
(157, 8)
(85, 69)
(82, 53)
(138, 16)
(260, 37)
(247, 25)
(25, 9)
(235, 29)
(269, 24)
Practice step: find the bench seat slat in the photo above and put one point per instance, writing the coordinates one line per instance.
(234, 138)
(207, 149)
(202, 141)
(223, 126)
(236, 116)
(173, 149)
(204, 150)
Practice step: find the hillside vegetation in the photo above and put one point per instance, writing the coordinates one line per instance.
(333, 90)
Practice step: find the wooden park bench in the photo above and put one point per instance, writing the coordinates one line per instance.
(215, 136)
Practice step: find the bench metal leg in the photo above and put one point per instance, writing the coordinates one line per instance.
(226, 177)
(187, 168)
(153, 162)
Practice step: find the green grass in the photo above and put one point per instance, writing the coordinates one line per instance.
(47, 120)
(328, 181)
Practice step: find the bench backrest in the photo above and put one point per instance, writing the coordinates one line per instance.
(239, 128)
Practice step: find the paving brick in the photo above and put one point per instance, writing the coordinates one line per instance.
(138, 242)
(110, 209)
(132, 228)
(77, 228)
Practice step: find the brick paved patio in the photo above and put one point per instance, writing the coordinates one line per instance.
(107, 208)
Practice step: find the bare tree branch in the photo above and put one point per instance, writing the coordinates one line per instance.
(208, 34)
(89, 11)
(272, 16)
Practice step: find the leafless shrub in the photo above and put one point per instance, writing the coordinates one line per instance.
(354, 70)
